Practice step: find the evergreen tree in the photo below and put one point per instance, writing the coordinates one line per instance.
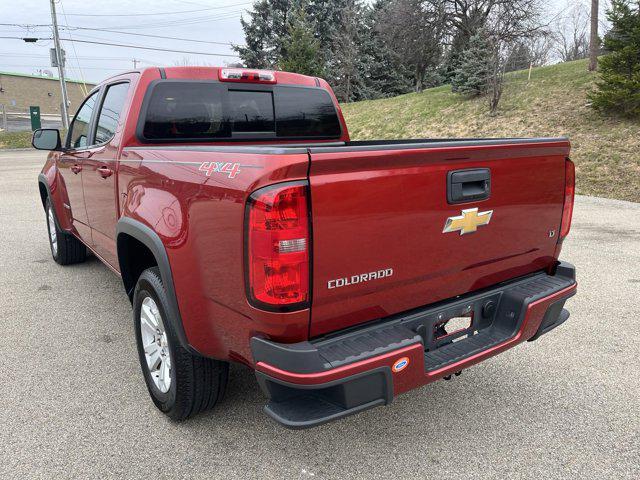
(301, 52)
(385, 74)
(348, 66)
(472, 77)
(326, 16)
(519, 57)
(618, 90)
(265, 33)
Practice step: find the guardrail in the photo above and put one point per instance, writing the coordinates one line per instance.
(21, 121)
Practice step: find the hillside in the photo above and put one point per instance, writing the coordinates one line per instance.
(554, 103)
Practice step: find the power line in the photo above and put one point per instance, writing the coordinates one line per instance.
(125, 46)
(185, 21)
(148, 35)
(169, 23)
(57, 48)
(70, 68)
(73, 27)
(97, 59)
(75, 53)
(148, 48)
(157, 13)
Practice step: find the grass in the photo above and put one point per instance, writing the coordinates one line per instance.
(554, 103)
(15, 140)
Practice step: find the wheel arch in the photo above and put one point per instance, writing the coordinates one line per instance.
(43, 187)
(137, 247)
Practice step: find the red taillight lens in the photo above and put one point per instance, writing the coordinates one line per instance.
(277, 257)
(569, 192)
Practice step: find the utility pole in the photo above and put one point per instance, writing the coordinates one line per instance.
(594, 43)
(135, 63)
(60, 62)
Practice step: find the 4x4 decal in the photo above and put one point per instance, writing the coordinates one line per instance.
(230, 169)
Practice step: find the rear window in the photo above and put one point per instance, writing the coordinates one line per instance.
(305, 112)
(251, 111)
(202, 111)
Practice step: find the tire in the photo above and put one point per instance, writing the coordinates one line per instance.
(65, 248)
(195, 383)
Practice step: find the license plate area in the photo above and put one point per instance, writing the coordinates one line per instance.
(457, 321)
(453, 327)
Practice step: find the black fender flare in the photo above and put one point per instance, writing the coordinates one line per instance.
(42, 179)
(151, 240)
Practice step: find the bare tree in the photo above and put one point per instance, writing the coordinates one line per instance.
(509, 22)
(571, 34)
(540, 47)
(190, 62)
(594, 41)
(468, 16)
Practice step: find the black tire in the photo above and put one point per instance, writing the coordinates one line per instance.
(68, 249)
(197, 383)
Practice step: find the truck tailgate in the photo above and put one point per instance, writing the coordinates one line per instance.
(379, 211)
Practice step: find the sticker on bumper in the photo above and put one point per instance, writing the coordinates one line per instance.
(400, 364)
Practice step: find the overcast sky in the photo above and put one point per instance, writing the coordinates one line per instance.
(206, 21)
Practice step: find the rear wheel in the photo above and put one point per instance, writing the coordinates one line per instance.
(180, 383)
(65, 248)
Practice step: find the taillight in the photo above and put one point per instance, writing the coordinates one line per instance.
(277, 247)
(569, 192)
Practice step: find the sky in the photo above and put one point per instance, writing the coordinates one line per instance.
(206, 21)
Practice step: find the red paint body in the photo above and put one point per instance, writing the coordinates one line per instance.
(370, 210)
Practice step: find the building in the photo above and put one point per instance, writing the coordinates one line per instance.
(19, 91)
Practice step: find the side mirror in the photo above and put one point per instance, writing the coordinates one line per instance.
(46, 139)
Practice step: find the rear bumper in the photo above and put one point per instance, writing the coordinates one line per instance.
(310, 383)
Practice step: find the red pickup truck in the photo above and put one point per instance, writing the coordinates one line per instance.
(248, 228)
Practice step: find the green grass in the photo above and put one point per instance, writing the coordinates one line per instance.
(15, 140)
(554, 103)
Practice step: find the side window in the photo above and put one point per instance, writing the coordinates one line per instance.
(79, 130)
(110, 112)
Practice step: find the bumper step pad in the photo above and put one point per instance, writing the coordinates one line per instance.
(305, 403)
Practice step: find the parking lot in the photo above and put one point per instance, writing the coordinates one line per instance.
(74, 404)
(21, 122)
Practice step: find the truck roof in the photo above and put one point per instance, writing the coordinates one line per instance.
(213, 73)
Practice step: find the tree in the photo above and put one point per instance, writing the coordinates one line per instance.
(301, 51)
(509, 25)
(347, 64)
(594, 41)
(265, 33)
(618, 90)
(385, 75)
(505, 24)
(326, 16)
(519, 57)
(471, 77)
(414, 29)
(571, 37)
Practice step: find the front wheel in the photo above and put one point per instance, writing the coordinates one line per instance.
(65, 248)
(180, 383)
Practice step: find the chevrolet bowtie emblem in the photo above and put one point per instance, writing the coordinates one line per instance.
(468, 222)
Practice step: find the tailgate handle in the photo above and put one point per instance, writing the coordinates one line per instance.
(468, 185)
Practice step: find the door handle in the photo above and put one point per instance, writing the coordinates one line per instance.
(105, 172)
(76, 168)
(468, 185)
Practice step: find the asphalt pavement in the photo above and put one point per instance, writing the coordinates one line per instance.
(17, 122)
(74, 404)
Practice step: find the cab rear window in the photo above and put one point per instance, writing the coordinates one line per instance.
(206, 111)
